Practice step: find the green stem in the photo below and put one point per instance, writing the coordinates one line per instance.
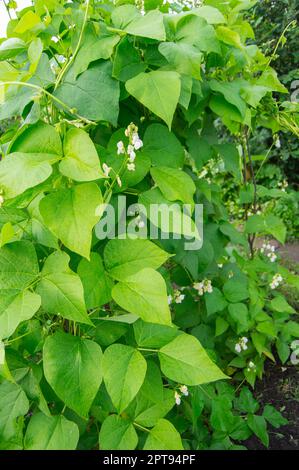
(68, 64)
(54, 98)
(148, 350)
(141, 427)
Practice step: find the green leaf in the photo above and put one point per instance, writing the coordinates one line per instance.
(18, 266)
(94, 94)
(159, 91)
(38, 138)
(152, 335)
(13, 403)
(235, 290)
(28, 21)
(125, 257)
(61, 289)
(270, 80)
(185, 361)
(228, 36)
(148, 413)
(20, 171)
(215, 301)
(231, 158)
(167, 215)
(221, 326)
(127, 61)
(259, 426)
(163, 436)
(124, 370)
(279, 304)
(7, 234)
(162, 146)
(184, 58)
(270, 224)
(274, 417)
(194, 30)
(16, 308)
(11, 47)
(96, 282)
(51, 433)
(231, 92)
(174, 184)
(210, 14)
(149, 25)
(73, 368)
(40, 233)
(144, 294)
(246, 402)
(77, 207)
(239, 314)
(117, 433)
(94, 48)
(81, 161)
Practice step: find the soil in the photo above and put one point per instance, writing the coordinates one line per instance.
(280, 384)
(280, 388)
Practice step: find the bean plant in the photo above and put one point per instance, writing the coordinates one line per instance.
(132, 341)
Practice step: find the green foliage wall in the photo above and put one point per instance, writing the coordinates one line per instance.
(134, 343)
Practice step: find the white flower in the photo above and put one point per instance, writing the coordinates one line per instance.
(220, 265)
(169, 299)
(106, 170)
(120, 147)
(276, 280)
(136, 141)
(131, 166)
(241, 344)
(278, 143)
(178, 297)
(141, 224)
(118, 181)
(184, 390)
(203, 286)
(1, 200)
(177, 397)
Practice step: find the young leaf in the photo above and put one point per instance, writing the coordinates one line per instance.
(163, 436)
(125, 257)
(124, 370)
(51, 433)
(77, 207)
(61, 289)
(73, 368)
(144, 294)
(81, 161)
(15, 308)
(174, 184)
(159, 91)
(259, 426)
(117, 433)
(96, 282)
(185, 361)
(18, 266)
(20, 171)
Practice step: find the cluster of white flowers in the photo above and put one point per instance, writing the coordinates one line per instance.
(203, 287)
(106, 170)
(178, 396)
(283, 185)
(251, 367)
(276, 281)
(269, 251)
(177, 297)
(135, 143)
(241, 345)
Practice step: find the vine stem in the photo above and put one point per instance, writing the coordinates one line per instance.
(71, 60)
(141, 427)
(148, 350)
(7, 9)
(54, 98)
